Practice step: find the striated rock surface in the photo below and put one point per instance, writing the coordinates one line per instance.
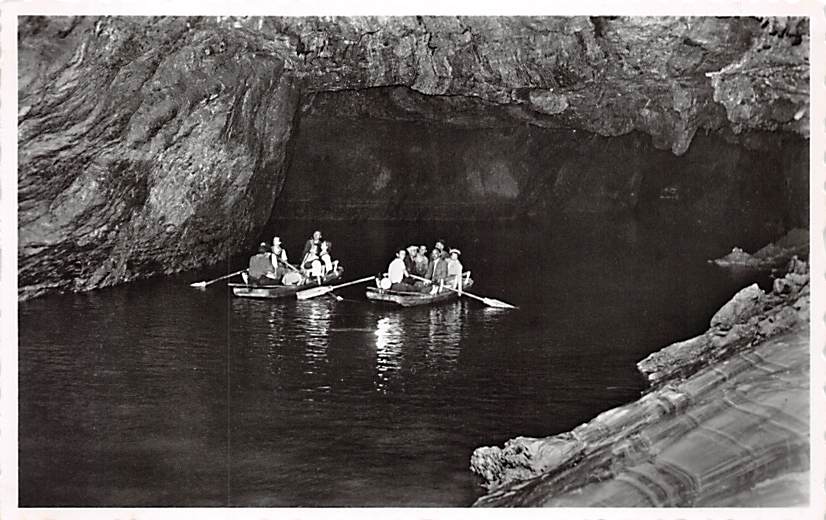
(154, 145)
(726, 423)
(139, 153)
(666, 76)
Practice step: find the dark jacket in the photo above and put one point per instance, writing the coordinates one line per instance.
(260, 265)
(437, 270)
(410, 265)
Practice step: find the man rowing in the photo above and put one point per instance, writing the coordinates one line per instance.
(397, 272)
(278, 251)
(279, 258)
(261, 268)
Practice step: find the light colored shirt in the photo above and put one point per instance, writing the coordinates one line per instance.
(328, 262)
(276, 256)
(454, 267)
(396, 270)
(317, 269)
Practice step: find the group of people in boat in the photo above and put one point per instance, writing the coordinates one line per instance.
(413, 270)
(271, 266)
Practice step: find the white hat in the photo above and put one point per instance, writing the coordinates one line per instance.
(454, 250)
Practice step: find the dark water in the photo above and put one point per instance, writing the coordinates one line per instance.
(158, 394)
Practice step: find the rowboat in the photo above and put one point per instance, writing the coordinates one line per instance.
(243, 290)
(413, 299)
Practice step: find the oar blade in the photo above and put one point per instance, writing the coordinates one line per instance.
(312, 293)
(198, 284)
(499, 304)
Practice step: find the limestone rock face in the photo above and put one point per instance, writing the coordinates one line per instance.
(155, 145)
(667, 77)
(139, 152)
(725, 425)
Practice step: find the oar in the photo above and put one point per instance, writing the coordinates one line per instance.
(291, 266)
(324, 289)
(491, 302)
(204, 284)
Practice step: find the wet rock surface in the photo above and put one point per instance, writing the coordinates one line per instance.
(155, 145)
(725, 424)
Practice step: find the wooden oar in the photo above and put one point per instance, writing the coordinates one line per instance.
(324, 289)
(204, 284)
(291, 266)
(491, 302)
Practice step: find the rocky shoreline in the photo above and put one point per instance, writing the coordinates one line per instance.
(774, 255)
(725, 422)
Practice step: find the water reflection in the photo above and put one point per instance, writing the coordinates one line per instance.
(150, 378)
(258, 327)
(412, 344)
(445, 334)
(389, 335)
(315, 321)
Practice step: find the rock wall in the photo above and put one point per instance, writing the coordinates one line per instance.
(395, 154)
(667, 77)
(726, 423)
(138, 152)
(155, 145)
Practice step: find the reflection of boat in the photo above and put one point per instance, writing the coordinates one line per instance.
(279, 291)
(444, 335)
(389, 337)
(412, 299)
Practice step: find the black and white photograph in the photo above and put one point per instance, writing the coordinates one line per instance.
(432, 260)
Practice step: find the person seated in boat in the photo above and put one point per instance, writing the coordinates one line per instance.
(412, 268)
(313, 242)
(261, 270)
(436, 270)
(309, 257)
(316, 272)
(397, 273)
(454, 269)
(329, 265)
(421, 261)
(279, 257)
(278, 250)
(410, 260)
(312, 265)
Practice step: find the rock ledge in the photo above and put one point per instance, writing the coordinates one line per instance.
(725, 424)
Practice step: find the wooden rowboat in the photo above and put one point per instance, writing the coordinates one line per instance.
(413, 299)
(243, 290)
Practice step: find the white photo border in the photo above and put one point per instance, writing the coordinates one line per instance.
(9, 12)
